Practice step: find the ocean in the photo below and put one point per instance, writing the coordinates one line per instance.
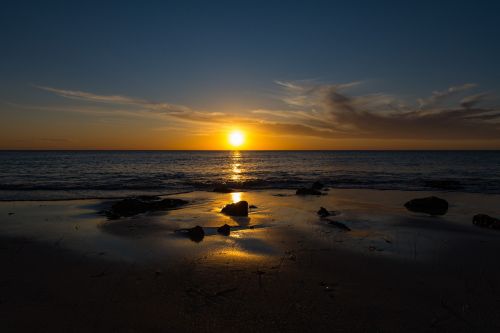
(55, 175)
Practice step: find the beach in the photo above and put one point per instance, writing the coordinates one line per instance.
(67, 267)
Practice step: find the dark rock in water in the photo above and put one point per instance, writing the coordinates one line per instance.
(339, 225)
(221, 188)
(486, 221)
(236, 209)
(430, 205)
(196, 234)
(307, 191)
(133, 206)
(224, 230)
(317, 185)
(323, 212)
(444, 184)
(252, 206)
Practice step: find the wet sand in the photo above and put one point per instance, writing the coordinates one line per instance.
(67, 268)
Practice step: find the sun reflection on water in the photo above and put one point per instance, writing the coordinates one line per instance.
(236, 166)
(236, 196)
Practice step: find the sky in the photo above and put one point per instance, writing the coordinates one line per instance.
(289, 75)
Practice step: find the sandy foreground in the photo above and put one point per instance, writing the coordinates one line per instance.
(66, 268)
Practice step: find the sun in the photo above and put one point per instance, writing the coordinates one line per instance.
(236, 138)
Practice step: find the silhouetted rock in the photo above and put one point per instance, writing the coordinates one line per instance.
(239, 208)
(323, 212)
(444, 184)
(430, 205)
(196, 234)
(307, 191)
(133, 206)
(221, 188)
(339, 225)
(317, 185)
(486, 221)
(224, 230)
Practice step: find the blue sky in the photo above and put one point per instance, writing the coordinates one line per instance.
(221, 55)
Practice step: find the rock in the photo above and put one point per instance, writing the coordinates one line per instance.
(323, 212)
(429, 205)
(307, 191)
(445, 184)
(252, 206)
(317, 185)
(224, 230)
(236, 209)
(486, 221)
(339, 225)
(221, 188)
(133, 206)
(196, 234)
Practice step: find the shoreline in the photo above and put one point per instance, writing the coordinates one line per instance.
(209, 188)
(70, 269)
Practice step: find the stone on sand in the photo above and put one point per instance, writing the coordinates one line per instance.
(486, 221)
(224, 230)
(239, 208)
(429, 205)
(322, 212)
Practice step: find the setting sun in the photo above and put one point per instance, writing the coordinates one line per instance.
(236, 138)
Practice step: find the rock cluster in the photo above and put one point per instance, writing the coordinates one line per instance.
(142, 204)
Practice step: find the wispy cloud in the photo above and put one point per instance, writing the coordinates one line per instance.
(117, 99)
(329, 111)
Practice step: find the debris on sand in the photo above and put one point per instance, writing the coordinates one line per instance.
(429, 205)
(142, 204)
(239, 208)
(224, 230)
(196, 234)
(337, 224)
(222, 188)
(486, 221)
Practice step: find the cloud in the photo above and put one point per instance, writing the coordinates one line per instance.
(329, 111)
(117, 99)
(440, 96)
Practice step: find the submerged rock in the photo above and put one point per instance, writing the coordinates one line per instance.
(323, 212)
(486, 221)
(196, 234)
(133, 206)
(224, 230)
(307, 191)
(429, 205)
(239, 208)
(221, 188)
